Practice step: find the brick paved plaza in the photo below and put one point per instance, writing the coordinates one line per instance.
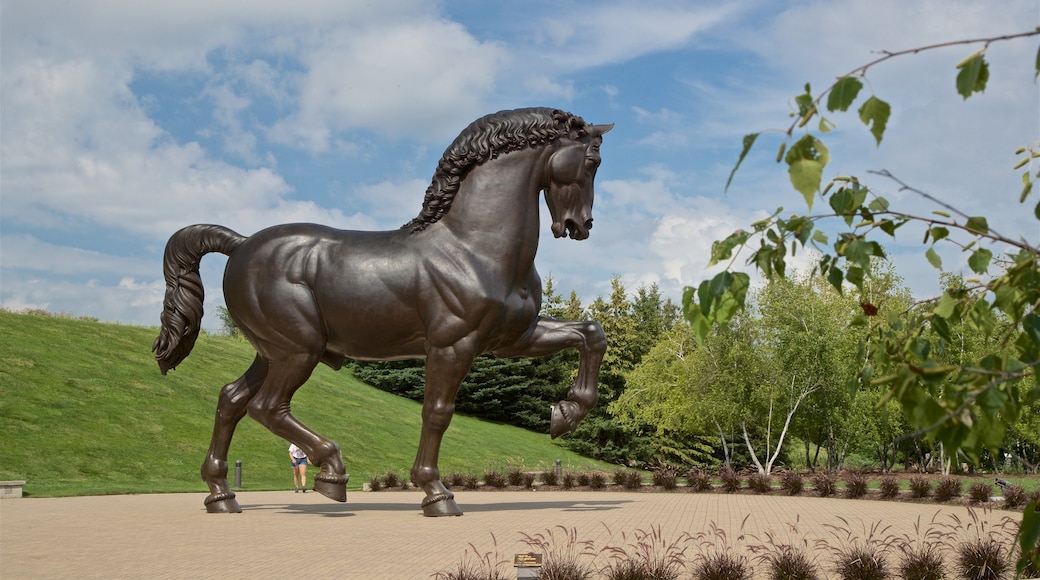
(382, 535)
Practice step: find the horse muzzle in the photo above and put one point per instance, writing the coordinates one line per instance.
(572, 228)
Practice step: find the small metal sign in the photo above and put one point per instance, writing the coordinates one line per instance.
(529, 560)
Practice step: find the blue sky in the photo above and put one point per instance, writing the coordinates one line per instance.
(122, 121)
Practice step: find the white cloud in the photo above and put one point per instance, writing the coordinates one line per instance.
(419, 77)
(618, 32)
(26, 252)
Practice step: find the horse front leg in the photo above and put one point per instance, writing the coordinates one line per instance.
(445, 369)
(551, 336)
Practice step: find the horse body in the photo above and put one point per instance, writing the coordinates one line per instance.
(457, 285)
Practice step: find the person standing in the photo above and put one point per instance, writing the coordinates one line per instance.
(299, 468)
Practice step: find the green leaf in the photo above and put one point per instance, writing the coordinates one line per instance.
(933, 258)
(878, 204)
(806, 159)
(834, 276)
(858, 252)
(1029, 529)
(941, 327)
(749, 140)
(946, 306)
(1037, 73)
(843, 94)
(806, 107)
(979, 224)
(979, 260)
(938, 233)
(855, 276)
(875, 111)
(973, 76)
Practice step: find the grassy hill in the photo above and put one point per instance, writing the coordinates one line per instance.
(84, 411)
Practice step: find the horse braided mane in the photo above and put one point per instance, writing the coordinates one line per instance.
(485, 139)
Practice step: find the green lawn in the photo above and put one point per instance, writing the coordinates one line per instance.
(84, 411)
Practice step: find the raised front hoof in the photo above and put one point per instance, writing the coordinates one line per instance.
(332, 486)
(440, 505)
(222, 503)
(565, 418)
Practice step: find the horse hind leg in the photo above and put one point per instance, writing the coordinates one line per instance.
(231, 407)
(271, 408)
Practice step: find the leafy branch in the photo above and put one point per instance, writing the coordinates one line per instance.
(964, 403)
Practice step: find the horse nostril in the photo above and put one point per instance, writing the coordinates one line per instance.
(588, 224)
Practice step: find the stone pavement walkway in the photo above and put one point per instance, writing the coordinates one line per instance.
(384, 535)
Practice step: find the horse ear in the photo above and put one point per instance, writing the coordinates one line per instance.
(599, 130)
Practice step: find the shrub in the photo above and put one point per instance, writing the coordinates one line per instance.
(1014, 496)
(922, 564)
(792, 483)
(515, 477)
(665, 477)
(470, 481)
(823, 484)
(455, 479)
(528, 480)
(920, 487)
(947, 489)
(720, 566)
(550, 478)
(375, 484)
(982, 559)
(759, 483)
(629, 479)
(697, 480)
(391, 480)
(647, 555)
(494, 479)
(620, 476)
(472, 568)
(860, 563)
(568, 480)
(889, 487)
(855, 484)
(730, 480)
(563, 554)
(980, 492)
(789, 563)
(598, 480)
(582, 479)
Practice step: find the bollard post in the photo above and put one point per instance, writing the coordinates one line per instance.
(559, 471)
(238, 474)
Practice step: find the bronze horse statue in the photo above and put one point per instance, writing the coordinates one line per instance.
(456, 282)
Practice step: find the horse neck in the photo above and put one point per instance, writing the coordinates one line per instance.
(495, 212)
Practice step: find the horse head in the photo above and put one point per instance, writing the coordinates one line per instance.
(570, 172)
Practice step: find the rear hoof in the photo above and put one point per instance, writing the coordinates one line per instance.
(332, 486)
(222, 503)
(442, 504)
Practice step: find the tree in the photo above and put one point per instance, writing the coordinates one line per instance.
(965, 406)
(801, 311)
(227, 323)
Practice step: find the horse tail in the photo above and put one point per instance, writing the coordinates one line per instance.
(182, 306)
